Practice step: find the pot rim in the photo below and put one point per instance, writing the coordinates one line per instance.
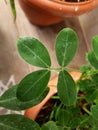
(72, 3)
(59, 7)
(57, 3)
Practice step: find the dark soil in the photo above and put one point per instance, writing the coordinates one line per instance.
(44, 114)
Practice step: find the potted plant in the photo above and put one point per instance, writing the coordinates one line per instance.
(78, 97)
(47, 12)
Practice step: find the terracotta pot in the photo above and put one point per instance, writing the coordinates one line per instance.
(47, 12)
(33, 111)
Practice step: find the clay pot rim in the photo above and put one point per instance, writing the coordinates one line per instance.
(72, 3)
(58, 4)
(59, 7)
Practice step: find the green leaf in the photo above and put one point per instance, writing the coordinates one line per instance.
(91, 58)
(85, 85)
(49, 126)
(33, 85)
(84, 68)
(33, 52)
(92, 122)
(17, 122)
(64, 117)
(9, 100)
(66, 88)
(12, 3)
(94, 110)
(84, 120)
(91, 95)
(74, 123)
(61, 128)
(66, 46)
(95, 79)
(95, 128)
(95, 45)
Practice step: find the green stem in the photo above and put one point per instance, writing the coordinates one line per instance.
(55, 97)
(67, 68)
(55, 69)
(81, 97)
(72, 69)
(86, 110)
